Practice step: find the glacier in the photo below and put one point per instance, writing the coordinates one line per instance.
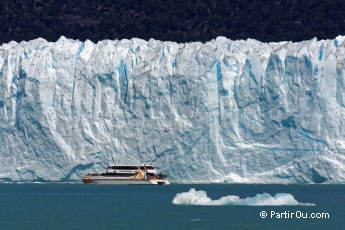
(222, 111)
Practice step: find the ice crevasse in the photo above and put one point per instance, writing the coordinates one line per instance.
(221, 111)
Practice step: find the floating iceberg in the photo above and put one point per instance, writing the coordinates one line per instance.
(221, 111)
(193, 197)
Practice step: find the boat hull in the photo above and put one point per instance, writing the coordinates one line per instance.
(117, 181)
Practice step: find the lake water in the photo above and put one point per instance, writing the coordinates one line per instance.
(78, 206)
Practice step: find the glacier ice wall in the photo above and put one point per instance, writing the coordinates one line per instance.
(223, 111)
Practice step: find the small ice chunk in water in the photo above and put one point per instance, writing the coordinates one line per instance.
(194, 197)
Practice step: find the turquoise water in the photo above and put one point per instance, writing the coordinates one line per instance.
(77, 206)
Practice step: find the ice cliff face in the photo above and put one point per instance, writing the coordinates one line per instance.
(223, 111)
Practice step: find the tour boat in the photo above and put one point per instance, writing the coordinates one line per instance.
(127, 174)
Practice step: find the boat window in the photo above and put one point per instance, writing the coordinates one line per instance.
(123, 167)
(118, 174)
(147, 167)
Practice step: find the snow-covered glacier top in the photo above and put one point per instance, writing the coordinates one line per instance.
(222, 111)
